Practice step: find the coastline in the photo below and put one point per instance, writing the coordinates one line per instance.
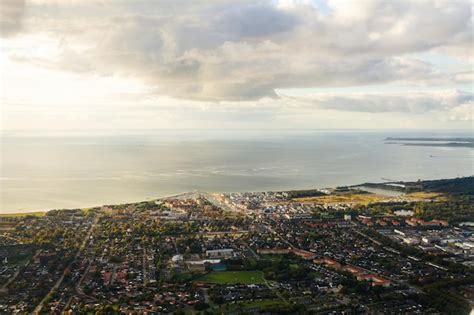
(388, 186)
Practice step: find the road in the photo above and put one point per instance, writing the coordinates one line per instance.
(4, 287)
(216, 202)
(77, 286)
(144, 267)
(270, 229)
(252, 251)
(416, 289)
(39, 307)
(212, 199)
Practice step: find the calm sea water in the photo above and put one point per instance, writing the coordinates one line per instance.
(41, 171)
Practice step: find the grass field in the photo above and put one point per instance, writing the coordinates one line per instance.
(343, 198)
(233, 277)
(367, 198)
(22, 214)
(424, 195)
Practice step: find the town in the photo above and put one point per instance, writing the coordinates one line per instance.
(341, 250)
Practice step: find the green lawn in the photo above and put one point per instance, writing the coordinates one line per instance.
(233, 277)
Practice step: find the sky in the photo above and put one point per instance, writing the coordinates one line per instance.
(205, 64)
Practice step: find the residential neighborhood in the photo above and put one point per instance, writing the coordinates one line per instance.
(239, 253)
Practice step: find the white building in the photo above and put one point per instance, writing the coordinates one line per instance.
(220, 253)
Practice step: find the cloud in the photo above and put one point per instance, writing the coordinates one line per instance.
(464, 77)
(449, 104)
(464, 112)
(11, 15)
(452, 102)
(246, 50)
(239, 54)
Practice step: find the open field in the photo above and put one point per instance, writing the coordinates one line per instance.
(233, 277)
(22, 214)
(365, 198)
(422, 195)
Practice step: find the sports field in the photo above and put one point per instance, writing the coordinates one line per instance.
(233, 277)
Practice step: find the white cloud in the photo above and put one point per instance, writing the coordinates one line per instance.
(464, 77)
(414, 102)
(247, 50)
(464, 112)
(236, 55)
(11, 15)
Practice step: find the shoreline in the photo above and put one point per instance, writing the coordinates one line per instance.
(42, 212)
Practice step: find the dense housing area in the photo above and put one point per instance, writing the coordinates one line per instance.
(345, 250)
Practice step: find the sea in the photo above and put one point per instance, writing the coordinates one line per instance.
(71, 169)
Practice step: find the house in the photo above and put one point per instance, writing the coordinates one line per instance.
(304, 254)
(273, 251)
(375, 280)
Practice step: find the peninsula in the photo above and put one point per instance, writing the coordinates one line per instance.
(433, 142)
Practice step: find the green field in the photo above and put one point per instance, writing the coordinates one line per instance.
(22, 214)
(233, 277)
